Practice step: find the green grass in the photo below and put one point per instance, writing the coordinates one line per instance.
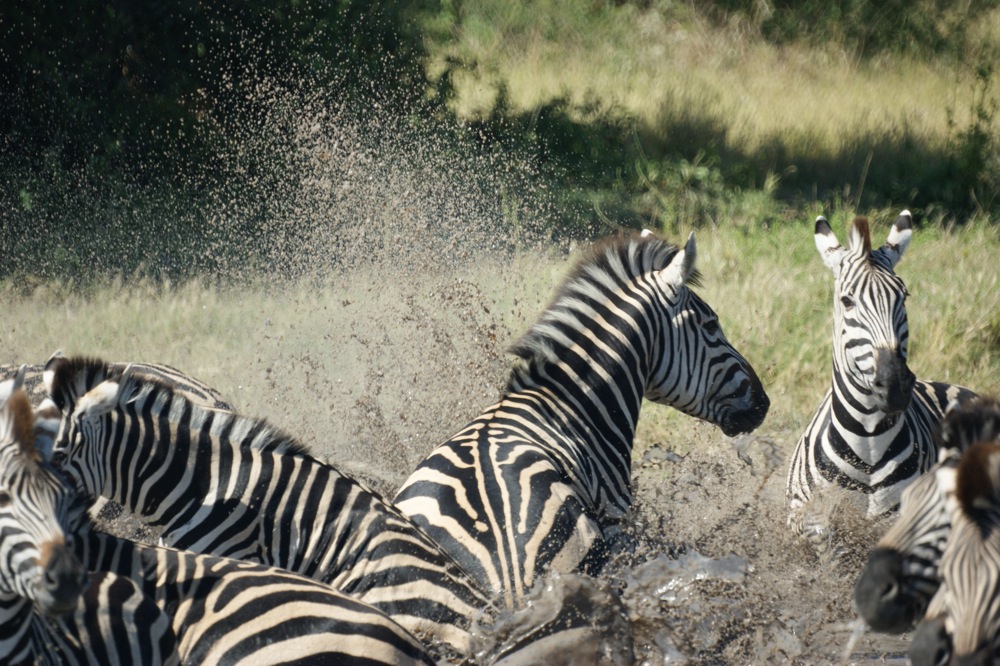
(826, 123)
(387, 362)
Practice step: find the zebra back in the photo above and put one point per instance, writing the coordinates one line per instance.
(542, 479)
(232, 486)
(51, 610)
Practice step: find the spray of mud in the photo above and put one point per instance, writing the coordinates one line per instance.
(398, 264)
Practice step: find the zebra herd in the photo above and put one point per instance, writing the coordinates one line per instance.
(269, 555)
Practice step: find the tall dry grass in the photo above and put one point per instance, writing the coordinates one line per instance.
(652, 64)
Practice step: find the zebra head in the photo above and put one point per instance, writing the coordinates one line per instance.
(869, 314)
(37, 511)
(902, 575)
(962, 625)
(695, 369)
(82, 391)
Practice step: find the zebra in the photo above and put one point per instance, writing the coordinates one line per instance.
(52, 611)
(48, 418)
(902, 573)
(226, 611)
(541, 479)
(218, 610)
(228, 485)
(873, 431)
(962, 625)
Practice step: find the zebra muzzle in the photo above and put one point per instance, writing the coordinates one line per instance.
(61, 581)
(893, 383)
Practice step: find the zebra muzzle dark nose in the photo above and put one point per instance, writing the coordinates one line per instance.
(878, 596)
(894, 381)
(61, 582)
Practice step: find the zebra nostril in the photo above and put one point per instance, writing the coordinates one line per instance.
(890, 591)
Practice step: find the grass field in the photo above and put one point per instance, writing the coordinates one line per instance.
(394, 359)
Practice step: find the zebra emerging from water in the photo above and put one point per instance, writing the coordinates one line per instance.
(542, 479)
(233, 486)
(52, 611)
(902, 574)
(873, 431)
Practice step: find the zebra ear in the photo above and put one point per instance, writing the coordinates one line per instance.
(49, 372)
(830, 249)
(10, 386)
(681, 267)
(99, 400)
(899, 238)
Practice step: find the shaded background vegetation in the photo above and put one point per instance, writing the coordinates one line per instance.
(132, 124)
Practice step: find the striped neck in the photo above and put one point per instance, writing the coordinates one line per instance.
(19, 627)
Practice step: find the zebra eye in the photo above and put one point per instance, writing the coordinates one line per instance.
(4, 499)
(847, 301)
(711, 326)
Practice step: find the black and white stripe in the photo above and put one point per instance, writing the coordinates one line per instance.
(962, 625)
(226, 611)
(51, 610)
(542, 478)
(902, 574)
(873, 431)
(227, 485)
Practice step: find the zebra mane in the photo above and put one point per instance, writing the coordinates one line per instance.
(266, 438)
(612, 261)
(72, 377)
(862, 230)
(977, 483)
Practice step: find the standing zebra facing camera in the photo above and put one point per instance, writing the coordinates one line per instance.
(542, 478)
(903, 572)
(52, 611)
(873, 431)
(228, 485)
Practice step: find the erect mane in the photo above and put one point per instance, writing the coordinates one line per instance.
(975, 420)
(864, 230)
(262, 436)
(615, 259)
(73, 377)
